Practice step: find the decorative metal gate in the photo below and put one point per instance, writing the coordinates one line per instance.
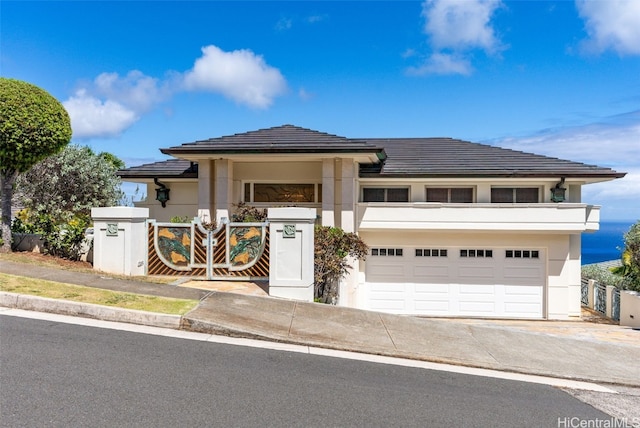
(600, 303)
(615, 304)
(584, 292)
(231, 251)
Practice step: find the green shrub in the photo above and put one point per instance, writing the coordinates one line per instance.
(630, 260)
(332, 246)
(604, 276)
(61, 239)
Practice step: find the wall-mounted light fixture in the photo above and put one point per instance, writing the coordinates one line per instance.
(558, 192)
(162, 193)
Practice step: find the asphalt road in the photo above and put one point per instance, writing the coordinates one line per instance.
(61, 375)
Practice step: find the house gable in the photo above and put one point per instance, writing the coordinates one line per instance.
(286, 139)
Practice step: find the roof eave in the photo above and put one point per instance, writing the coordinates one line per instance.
(546, 174)
(362, 156)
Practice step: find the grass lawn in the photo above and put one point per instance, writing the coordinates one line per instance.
(38, 259)
(77, 293)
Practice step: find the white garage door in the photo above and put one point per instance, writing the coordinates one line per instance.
(484, 282)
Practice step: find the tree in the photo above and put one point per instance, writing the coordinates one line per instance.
(33, 126)
(70, 183)
(332, 246)
(58, 194)
(630, 268)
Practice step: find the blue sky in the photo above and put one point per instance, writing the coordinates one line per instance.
(559, 78)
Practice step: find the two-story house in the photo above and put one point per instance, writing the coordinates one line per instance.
(454, 228)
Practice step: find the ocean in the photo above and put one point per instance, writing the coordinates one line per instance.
(605, 244)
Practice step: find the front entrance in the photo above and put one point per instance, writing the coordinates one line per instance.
(230, 251)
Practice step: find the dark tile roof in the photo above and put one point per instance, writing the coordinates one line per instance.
(447, 157)
(172, 168)
(280, 139)
(401, 157)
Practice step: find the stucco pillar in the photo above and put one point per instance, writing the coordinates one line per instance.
(328, 192)
(205, 189)
(574, 264)
(483, 193)
(574, 193)
(291, 237)
(120, 240)
(223, 188)
(348, 196)
(591, 296)
(608, 311)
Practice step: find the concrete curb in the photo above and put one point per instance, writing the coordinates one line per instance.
(88, 310)
(208, 327)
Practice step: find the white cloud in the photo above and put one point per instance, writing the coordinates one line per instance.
(91, 117)
(135, 90)
(239, 75)
(442, 63)
(611, 24)
(454, 28)
(111, 103)
(459, 25)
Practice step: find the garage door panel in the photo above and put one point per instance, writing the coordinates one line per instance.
(433, 289)
(388, 287)
(438, 307)
(477, 308)
(473, 272)
(523, 310)
(397, 306)
(430, 274)
(475, 275)
(466, 290)
(525, 275)
(523, 290)
(386, 271)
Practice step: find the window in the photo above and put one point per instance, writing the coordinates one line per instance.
(387, 252)
(385, 194)
(450, 194)
(514, 194)
(471, 253)
(283, 192)
(522, 254)
(431, 252)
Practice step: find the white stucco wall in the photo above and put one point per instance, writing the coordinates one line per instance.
(183, 202)
(291, 172)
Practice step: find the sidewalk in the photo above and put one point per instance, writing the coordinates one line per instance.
(572, 350)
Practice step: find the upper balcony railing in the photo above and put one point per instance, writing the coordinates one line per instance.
(547, 217)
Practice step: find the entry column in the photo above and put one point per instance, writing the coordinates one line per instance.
(291, 253)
